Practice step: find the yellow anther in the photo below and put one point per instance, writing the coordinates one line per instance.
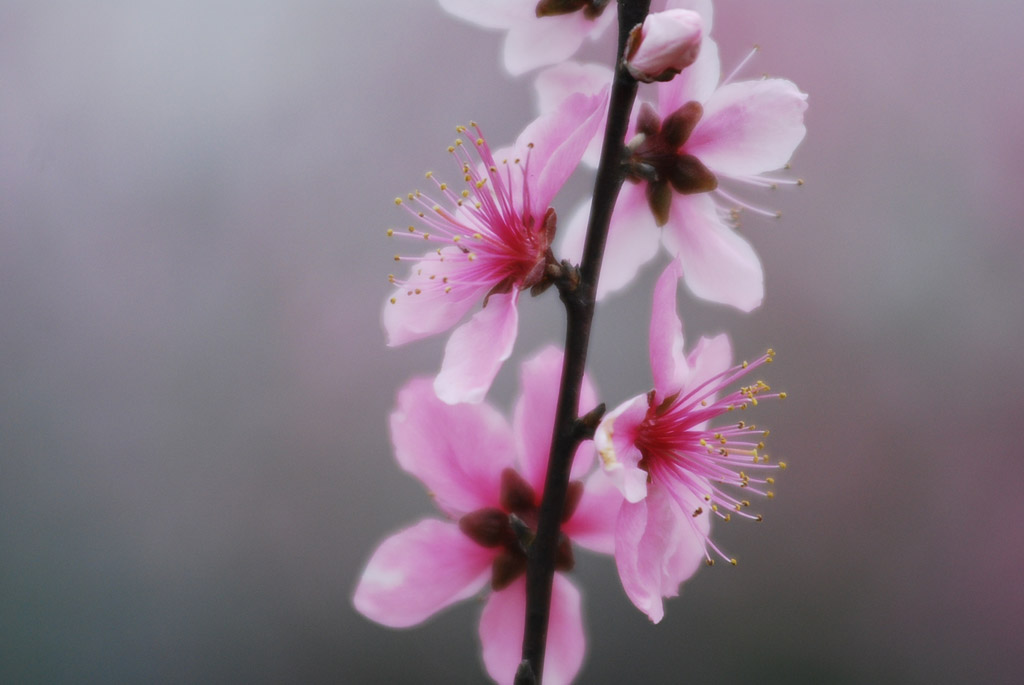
(769, 480)
(398, 201)
(710, 562)
(456, 238)
(799, 181)
(394, 301)
(430, 174)
(770, 494)
(703, 442)
(782, 465)
(458, 141)
(451, 149)
(759, 518)
(418, 291)
(398, 258)
(733, 562)
(478, 236)
(782, 395)
(471, 256)
(745, 364)
(391, 232)
(448, 289)
(479, 141)
(465, 193)
(426, 236)
(443, 186)
(703, 403)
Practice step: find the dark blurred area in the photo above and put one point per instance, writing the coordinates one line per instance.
(194, 386)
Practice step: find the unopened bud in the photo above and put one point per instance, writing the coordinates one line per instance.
(665, 44)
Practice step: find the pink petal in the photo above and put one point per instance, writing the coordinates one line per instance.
(668, 361)
(593, 523)
(697, 82)
(477, 349)
(458, 452)
(710, 357)
(413, 316)
(702, 7)
(494, 14)
(615, 440)
(501, 633)
(632, 240)
(555, 84)
(559, 139)
(549, 40)
(419, 571)
(656, 549)
(534, 419)
(718, 265)
(750, 127)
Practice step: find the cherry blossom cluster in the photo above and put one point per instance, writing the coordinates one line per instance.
(646, 480)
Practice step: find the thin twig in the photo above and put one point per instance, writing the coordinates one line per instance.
(579, 306)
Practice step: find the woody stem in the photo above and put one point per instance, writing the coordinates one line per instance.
(579, 302)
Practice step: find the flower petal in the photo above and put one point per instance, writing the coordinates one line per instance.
(493, 14)
(615, 440)
(477, 349)
(668, 361)
(549, 40)
(555, 84)
(750, 127)
(534, 418)
(718, 265)
(458, 452)
(697, 82)
(501, 633)
(593, 523)
(709, 357)
(632, 240)
(421, 309)
(419, 571)
(656, 549)
(559, 139)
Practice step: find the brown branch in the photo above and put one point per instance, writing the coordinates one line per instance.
(579, 306)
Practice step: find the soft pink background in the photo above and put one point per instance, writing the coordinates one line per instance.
(194, 462)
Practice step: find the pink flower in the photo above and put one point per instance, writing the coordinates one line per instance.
(675, 470)
(665, 44)
(539, 33)
(701, 135)
(487, 477)
(492, 241)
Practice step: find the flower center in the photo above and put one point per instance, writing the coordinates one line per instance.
(682, 452)
(656, 157)
(512, 528)
(489, 241)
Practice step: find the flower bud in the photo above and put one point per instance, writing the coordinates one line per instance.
(665, 44)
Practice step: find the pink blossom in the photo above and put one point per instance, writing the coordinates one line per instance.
(665, 44)
(701, 135)
(487, 477)
(674, 470)
(491, 242)
(539, 33)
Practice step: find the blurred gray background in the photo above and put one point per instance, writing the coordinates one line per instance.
(194, 387)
